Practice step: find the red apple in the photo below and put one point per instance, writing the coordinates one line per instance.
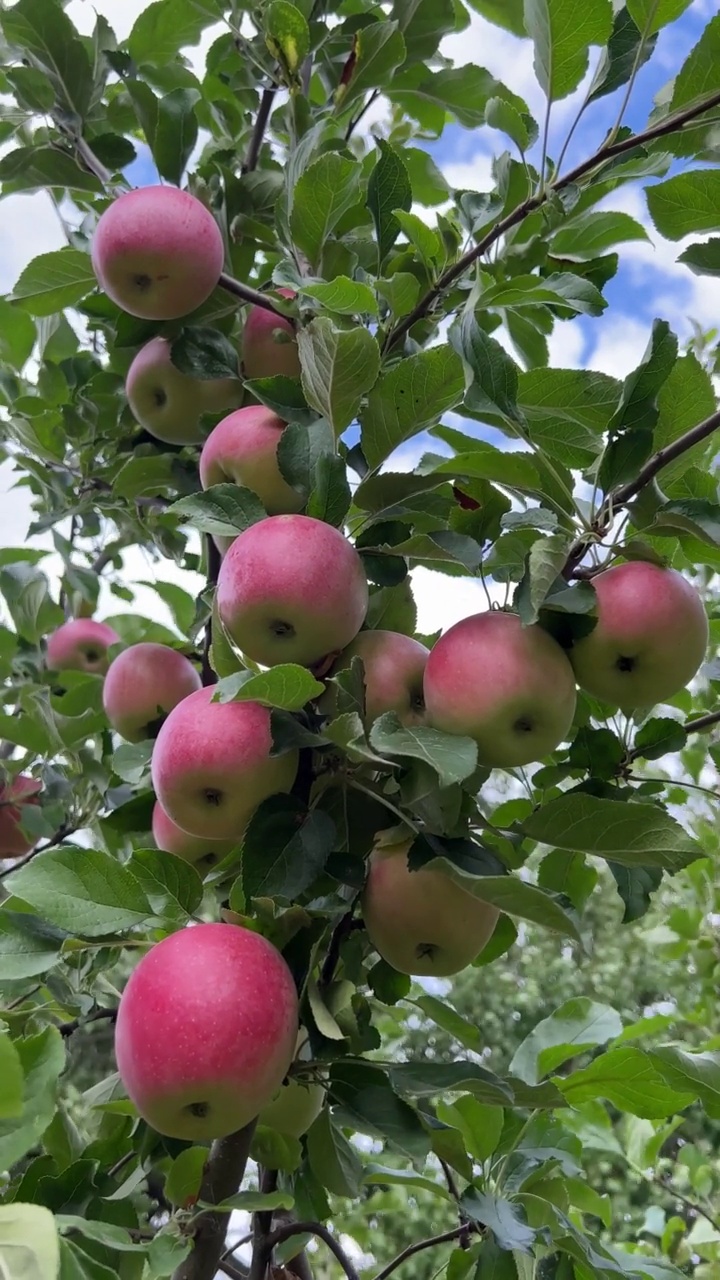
(243, 449)
(394, 665)
(649, 640)
(142, 685)
(421, 922)
(211, 765)
(157, 252)
(197, 850)
(292, 589)
(206, 1030)
(81, 645)
(14, 795)
(509, 687)
(169, 403)
(269, 345)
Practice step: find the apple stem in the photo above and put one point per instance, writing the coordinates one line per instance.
(223, 1174)
(609, 151)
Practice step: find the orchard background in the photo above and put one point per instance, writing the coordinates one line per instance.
(496, 226)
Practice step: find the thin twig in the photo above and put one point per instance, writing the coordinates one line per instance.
(209, 676)
(671, 124)
(419, 1246)
(258, 133)
(703, 722)
(61, 834)
(68, 1028)
(356, 119)
(223, 1174)
(248, 294)
(311, 1229)
(232, 1269)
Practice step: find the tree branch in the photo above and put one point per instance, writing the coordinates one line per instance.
(248, 294)
(258, 133)
(671, 124)
(213, 556)
(344, 927)
(223, 1175)
(68, 1028)
(423, 1244)
(61, 834)
(702, 723)
(313, 1229)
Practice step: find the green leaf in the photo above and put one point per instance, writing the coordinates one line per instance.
(401, 292)
(506, 1220)
(42, 1058)
(169, 124)
(627, 1078)
(286, 686)
(11, 1079)
(173, 887)
(418, 233)
(330, 496)
(578, 1025)
(29, 1245)
(703, 259)
(441, 1013)
(423, 23)
(285, 848)
(686, 397)
(223, 509)
(338, 367)
(37, 168)
(492, 375)
(698, 1073)
(658, 737)
(379, 49)
(546, 559)
(254, 1202)
(429, 186)
(503, 13)
(635, 885)
(393, 609)
(585, 237)
(388, 189)
(17, 335)
(28, 946)
(408, 398)
(562, 35)
(650, 15)
(698, 76)
(101, 1232)
(82, 890)
(205, 353)
(325, 191)
(300, 449)
(685, 203)
(54, 281)
(486, 462)
(626, 51)
(42, 31)
(632, 834)
(370, 1105)
(452, 757)
(287, 34)
(333, 1161)
(378, 1174)
(182, 1185)
(166, 26)
(344, 296)
(519, 126)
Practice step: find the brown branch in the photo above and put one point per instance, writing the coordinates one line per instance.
(312, 1229)
(702, 722)
(356, 119)
(213, 557)
(423, 1244)
(232, 1269)
(61, 834)
(223, 1175)
(248, 294)
(671, 124)
(68, 1028)
(258, 133)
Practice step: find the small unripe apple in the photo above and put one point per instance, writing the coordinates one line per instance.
(269, 345)
(649, 640)
(169, 403)
(81, 645)
(243, 449)
(211, 765)
(394, 666)
(157, 252)
(14, 795)
(206, 1030)
(509, 687)
(142, 685)
(197, 850)
(421, 922)
(292, 589)
(295, 1105)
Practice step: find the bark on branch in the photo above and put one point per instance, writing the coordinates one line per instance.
(290, 1229)
(223, 1175)
(419, 1246)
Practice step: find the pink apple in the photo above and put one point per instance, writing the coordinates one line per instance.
(197, 850)
(243, 449)
(649, 640)
(142, 685)
(14, 795)
(394, 665)
(292, 589)
(157, 252)
(509, 687)
(169, 403)
(422, 922)
(269, 345)
(81, 645)
(206, 1030)
(211, 765)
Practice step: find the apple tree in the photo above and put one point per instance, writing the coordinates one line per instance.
(231, 839)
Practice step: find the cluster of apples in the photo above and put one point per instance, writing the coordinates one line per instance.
(293, 589)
